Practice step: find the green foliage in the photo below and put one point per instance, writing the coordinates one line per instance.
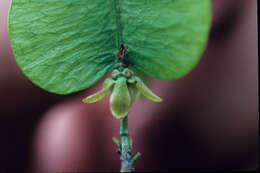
(64, 46)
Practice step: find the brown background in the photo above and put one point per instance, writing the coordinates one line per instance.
(208, 120)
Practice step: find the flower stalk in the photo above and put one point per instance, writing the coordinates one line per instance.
(125, 88)
(125, 148)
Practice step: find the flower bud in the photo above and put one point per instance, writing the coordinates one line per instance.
(120, 100)
(133, 91)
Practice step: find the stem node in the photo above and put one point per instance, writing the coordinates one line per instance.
(125, 148)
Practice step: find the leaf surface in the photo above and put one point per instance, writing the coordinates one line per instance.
(165, 38)
(65, 46)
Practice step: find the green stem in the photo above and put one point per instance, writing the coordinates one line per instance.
(125, 148)
(126, 164)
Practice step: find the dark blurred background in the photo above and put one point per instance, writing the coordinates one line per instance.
(207, 122)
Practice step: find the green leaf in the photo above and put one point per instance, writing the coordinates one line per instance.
(99, 95)
(165, 38)
(65, 46)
